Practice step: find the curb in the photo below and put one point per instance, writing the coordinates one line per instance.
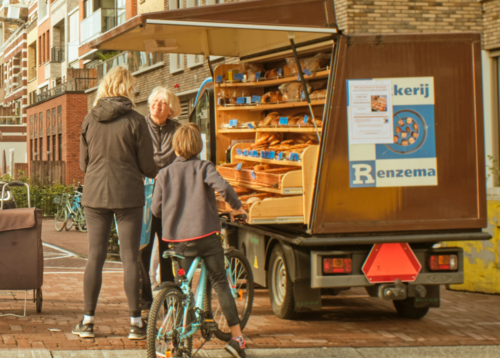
(386, 352)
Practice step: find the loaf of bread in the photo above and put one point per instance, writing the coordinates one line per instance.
(271, 74)
(273, 96)
(266, 121)
(319, 94)
(275, 121)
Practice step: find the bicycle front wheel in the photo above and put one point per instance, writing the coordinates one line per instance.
(240, 278)
(60, 219)
(82, 222)
(167, 312)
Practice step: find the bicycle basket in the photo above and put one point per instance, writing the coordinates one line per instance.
(57, 199)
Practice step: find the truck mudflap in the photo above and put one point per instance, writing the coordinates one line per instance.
(357, 278)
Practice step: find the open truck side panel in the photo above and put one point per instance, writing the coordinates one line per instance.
(339, 220)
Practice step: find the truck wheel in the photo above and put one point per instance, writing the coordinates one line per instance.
(280, 285)
(406, 309)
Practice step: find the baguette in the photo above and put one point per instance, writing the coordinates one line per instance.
(274, 142)
(289, 141)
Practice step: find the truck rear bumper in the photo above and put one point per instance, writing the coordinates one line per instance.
(358, 279)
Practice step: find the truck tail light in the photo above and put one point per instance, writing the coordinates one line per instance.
(337, 265)
(443, 262)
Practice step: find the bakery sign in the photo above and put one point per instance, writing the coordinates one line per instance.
(391, 132)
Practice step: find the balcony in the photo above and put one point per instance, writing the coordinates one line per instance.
(57, 54)
(134, 61)
(99, 22)
(11, 121)
(73, 85)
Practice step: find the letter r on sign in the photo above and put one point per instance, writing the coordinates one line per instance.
(362, 174)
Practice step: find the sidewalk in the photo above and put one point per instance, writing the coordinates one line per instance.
(351, 319)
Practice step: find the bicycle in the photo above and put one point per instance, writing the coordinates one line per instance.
(176, 316)
(77, 213)
(63, 210)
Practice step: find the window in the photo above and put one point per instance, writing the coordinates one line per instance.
(176, 62)
(53, 147)
(87, 8)
(35, 148)
(60, 147)
(47, 122)
(194, 60)
(48, 147)
(47, 45)
(39, 50)
(219, 1)
(31, 150)
(40, 152)
(174, 4)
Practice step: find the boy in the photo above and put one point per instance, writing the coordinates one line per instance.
(184, 199)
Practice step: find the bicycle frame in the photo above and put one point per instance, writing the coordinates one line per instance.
(200, 296)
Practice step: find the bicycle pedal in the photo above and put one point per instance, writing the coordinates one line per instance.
(210, 324)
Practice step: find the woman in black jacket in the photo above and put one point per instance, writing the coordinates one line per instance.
(116, 152)
(163, 106)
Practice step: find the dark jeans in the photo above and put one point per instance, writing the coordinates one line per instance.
(166, 273)
(211, 251)
(129, 230)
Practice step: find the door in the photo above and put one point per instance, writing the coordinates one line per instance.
(203, 116)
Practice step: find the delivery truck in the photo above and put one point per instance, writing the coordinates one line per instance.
(354, 155)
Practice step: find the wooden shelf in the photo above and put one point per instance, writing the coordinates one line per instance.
(285, 129)
(282, 191)
(268, 161)
(315, 76)
(286, 210)
(230, 130)
(265, 107)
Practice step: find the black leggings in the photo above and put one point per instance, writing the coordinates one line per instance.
(129, 230)
(211, 251)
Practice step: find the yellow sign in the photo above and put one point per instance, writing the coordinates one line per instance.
(255, 263)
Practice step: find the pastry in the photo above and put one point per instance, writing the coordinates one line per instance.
(275, 121)
(273, 96)
(268, 119)
(271, 138)
(263, 139)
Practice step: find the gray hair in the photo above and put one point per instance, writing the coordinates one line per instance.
(169, 97)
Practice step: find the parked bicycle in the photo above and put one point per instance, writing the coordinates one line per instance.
(70, 211)
(177, 314)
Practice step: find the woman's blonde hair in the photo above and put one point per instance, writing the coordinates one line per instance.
(187, 141)
(169, 97)
(118, 82)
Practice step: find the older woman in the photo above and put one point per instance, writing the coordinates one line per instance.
(163, 106)
(116, 152)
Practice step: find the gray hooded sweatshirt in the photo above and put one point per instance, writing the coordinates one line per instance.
(116, 151)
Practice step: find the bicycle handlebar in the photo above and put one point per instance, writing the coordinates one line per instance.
(238, 218)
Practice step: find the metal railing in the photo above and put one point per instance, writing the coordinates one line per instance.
(57, 54)
(100, 21)
(73, 85)
(133, 60)
(11, 120)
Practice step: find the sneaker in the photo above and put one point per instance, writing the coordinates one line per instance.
(138, 332)
(84, 330)
(235, 349)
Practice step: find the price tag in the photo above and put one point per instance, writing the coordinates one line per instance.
(280, 156)
(306, 118)
(254, 153)
(238, 166)
(233, 122)
(250, 125)
(239, 76)
(245, 152)
(263, 154)
(257, 75)
(255, 99)
(253, 175)
(271, 154)
(307, 72)
(239, 152)
(294, 157)
(280, 72)
(283, 121)
(240, 100)
(219, 79)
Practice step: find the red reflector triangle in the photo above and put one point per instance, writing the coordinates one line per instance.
(389, 262)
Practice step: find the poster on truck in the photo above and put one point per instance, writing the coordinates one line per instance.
(409, 158)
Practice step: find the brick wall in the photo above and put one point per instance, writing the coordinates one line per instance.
(491, 25)
(74, 109)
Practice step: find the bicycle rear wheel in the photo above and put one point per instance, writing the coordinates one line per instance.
(167, 310)
(60, 219)
(70, 222)
(82, 222)
(241, 277)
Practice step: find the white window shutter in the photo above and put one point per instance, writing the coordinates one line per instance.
(172, 4)
(191, 3)
(210, 2)
(173, 62)
(191, 60)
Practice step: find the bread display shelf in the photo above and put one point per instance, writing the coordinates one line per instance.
(291, 184)
(289, 210)
(271, 129)
(315, 76)
(267, 161)
(266, 107)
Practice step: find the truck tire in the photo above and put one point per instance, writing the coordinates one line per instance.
(406, 309)
(280, 285)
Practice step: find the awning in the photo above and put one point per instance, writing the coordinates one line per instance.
(234, 29)
(204, 38)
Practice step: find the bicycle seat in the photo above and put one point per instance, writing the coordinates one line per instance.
(178, 252)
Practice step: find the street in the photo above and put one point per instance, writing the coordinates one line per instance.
(349, 320)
